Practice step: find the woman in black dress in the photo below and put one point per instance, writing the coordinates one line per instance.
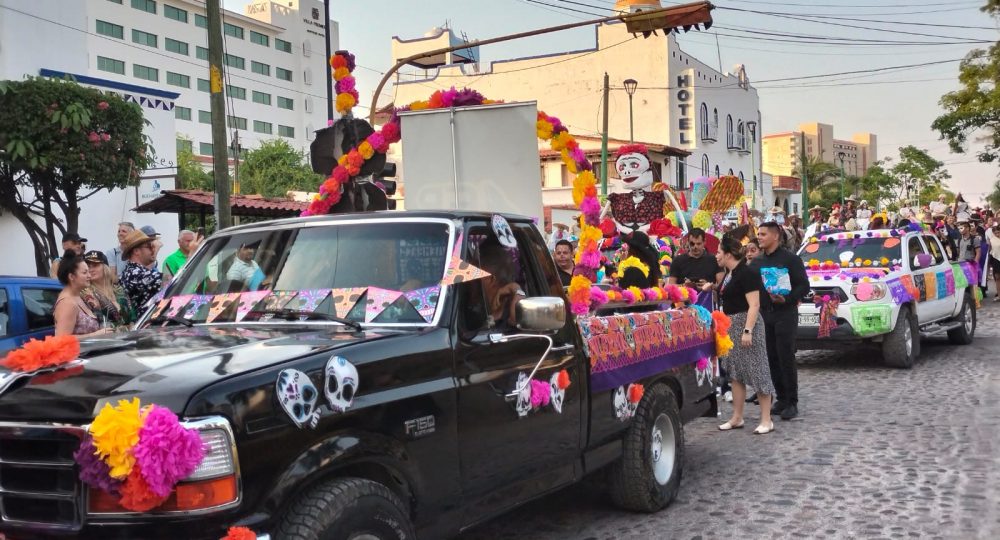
(746, 364)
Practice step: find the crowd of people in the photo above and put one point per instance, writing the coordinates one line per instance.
(106, 291)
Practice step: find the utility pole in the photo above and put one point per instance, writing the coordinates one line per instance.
(329, 68)
(604, 139)
(802, 168)
(220, 158)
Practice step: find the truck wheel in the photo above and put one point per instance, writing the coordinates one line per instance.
(963, 334)
(902, 346)
(648, 475)
(346, 509)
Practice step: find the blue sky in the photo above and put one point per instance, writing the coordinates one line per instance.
(900, 113)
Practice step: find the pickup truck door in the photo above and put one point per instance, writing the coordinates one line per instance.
(507, 456)
(942, 306)
(914, 248)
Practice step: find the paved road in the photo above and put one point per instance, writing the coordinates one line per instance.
(876, 453)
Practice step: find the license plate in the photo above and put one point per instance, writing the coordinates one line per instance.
(808, 320)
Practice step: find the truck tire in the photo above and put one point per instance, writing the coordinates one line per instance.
(648, 475)
(902, 346)
(346, 509)
(963, 334)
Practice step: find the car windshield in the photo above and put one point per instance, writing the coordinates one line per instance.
(378, 272)
(877, 252)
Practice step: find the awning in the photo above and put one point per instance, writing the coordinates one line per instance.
(191, 201)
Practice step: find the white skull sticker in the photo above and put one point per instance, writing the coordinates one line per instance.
(621, 404)
(557, 395)
(297, 396)
(502, 229)
(524, 397)
(341, 383)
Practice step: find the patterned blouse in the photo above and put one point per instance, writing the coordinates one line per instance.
(632, 215)
(140, 284)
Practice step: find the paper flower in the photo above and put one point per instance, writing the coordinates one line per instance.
(540, 393)
(562, 380)
(579, 295)
(635, 392)
(166, 452)
(49, 352)
(136, 495)
(240, 533)
(115, 432)
(93, 470)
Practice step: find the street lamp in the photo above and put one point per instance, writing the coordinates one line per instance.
(841, 155)
(752, 129)
(630, 86)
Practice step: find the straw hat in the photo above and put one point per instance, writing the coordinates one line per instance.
(133, 240)
(817, 208)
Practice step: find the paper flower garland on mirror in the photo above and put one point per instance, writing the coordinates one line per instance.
(138, 454)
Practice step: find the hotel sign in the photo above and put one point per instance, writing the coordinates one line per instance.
(684, 104)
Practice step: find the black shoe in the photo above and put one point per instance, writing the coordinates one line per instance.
(752, 398)
(778, 407)
(789, 412)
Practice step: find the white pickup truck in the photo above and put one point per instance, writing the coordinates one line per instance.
(893, 286)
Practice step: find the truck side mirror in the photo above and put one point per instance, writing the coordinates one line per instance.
(541, 314)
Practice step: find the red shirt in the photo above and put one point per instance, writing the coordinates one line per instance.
(632, 215)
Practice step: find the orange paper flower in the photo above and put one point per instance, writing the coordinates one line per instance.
(635, 392)
(240, 533)
(50, 352)
(563, 380)
(136, 495)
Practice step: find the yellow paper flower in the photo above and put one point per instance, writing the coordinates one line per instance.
(340, 73)
(884, 261)
(723, 344)
(116, 432)
(637, 292)
(345, 102)
(366, 150)
(868, 262)
(702, 220)
(419, 105)
(544, 129)
(633, 262)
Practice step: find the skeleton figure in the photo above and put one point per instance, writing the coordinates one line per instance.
(297, 397)
(341, 383)
(620, 401)
(557, 394)
(635, 210)
(523, 398)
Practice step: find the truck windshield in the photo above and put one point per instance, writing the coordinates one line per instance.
(327, 270)
(881, 252)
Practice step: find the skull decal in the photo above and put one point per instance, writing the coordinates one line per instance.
(341, 383)
(621, 404)
(502, 229)
(297, 396)
(557, 394)
(524, 397)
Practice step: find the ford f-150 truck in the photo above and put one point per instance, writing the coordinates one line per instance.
(890, 287)
(344, 389)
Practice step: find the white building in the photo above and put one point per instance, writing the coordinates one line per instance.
(155, 53)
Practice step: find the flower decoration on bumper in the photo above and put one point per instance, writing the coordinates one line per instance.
(240, 533)
(138, 453)
(827, 305)
(35, 355)
(343, 66)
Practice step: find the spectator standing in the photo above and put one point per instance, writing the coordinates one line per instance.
(187, 243)
(785, 280)
(563, 255)
(157, 243)
(993, 243)
(72, 314)
(116, 255)
(104, 295)
(140, 279)
(695, 267)
(70, 242)
(752, 249)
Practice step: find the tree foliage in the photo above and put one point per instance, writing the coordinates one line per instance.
(61, 143)
(275, 168)
(892, 183)
(974, 110)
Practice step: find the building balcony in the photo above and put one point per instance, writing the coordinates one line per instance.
(738, 142)
(710, 133)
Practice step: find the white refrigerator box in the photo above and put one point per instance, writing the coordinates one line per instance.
(482, 158)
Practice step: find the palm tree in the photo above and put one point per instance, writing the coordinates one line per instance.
(819, 175)
(993, 199)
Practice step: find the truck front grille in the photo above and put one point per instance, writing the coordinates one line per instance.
(39, 488)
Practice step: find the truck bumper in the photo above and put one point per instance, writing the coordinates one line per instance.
(841, 338)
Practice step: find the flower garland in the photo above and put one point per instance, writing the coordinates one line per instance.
(36, 355)
(347, 95)
(723, 343)
(138, 453)
(632, 262)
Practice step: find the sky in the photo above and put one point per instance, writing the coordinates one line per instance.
(897, 105)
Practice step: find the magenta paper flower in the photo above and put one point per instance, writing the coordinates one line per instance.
(540, 393)
(167, 452)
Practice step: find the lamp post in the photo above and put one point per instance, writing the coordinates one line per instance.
(752, 130)
(841, 155)
(630, 86)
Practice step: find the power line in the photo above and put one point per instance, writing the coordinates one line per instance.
(847, 40)
(907, 23)
(907, 5)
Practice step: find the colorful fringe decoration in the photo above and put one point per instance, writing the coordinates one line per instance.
(827, 314)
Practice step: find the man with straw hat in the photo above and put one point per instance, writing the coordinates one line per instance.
(140, 278)
(816, 223)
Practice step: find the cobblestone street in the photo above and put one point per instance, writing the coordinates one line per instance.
(875, 453)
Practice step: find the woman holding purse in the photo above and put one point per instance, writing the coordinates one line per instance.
(747, 362)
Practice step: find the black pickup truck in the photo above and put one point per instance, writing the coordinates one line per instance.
(362, 395)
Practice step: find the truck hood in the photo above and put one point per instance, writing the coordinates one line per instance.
(165, 366)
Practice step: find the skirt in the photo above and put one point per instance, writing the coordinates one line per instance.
(748, 365)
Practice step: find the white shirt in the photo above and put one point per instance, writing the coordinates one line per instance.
(241, 270)
(994, 242)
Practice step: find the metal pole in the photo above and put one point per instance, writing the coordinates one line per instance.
(631, 130)
(217, 100)
(805, 175)
(841, 183)
(753, 174)
(329, 69)
(604, 139)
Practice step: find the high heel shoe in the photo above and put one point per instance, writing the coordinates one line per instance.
(763, 430)
(730, 425)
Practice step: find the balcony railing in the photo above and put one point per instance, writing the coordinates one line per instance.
(739, 143)
(710, 132)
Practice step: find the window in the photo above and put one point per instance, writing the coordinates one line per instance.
(182, 113)
(741, 139)
(177, 79)
(681, 173)
(148, 6)
(261, 97)
(262, 127)
(175, 46)
(934, 248)
(259, 39)
(730, 172)
(201, 53)
(286, 103)
(184, 145)
(205, 148)
(741, 177)
(237, 92)
(236, 122)
(282, 45)
(39, 305)
(705, 168)
(717, 171)
(286, 131)
(174, 13)
(200, 21)
(146, 72)
(204, 85)
(4, 313)
(308, 107)
(143, 38)
(729, 131)
(307, 76)
(262, 69)
(234, 61)
(715, 118)
(205, 117)
(116, 1)
(110, 65)
(915, 247)
(283, 74)
(232, 30)
(108, 29)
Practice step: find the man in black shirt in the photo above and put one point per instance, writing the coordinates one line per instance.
(563, 255)
(780, 311)
(695, 267)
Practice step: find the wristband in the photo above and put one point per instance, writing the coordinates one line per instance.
(747, 331)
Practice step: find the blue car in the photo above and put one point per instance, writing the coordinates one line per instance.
(26, 310)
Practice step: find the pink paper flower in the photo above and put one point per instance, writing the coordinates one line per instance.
(540, 393)
(167, 452)
(703, 364)
(598, 296)
(391, 132)
(93, 137)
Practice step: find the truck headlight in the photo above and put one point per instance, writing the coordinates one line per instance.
(214, 485)
(877, 292)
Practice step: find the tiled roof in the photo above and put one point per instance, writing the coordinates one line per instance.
(194, 201)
